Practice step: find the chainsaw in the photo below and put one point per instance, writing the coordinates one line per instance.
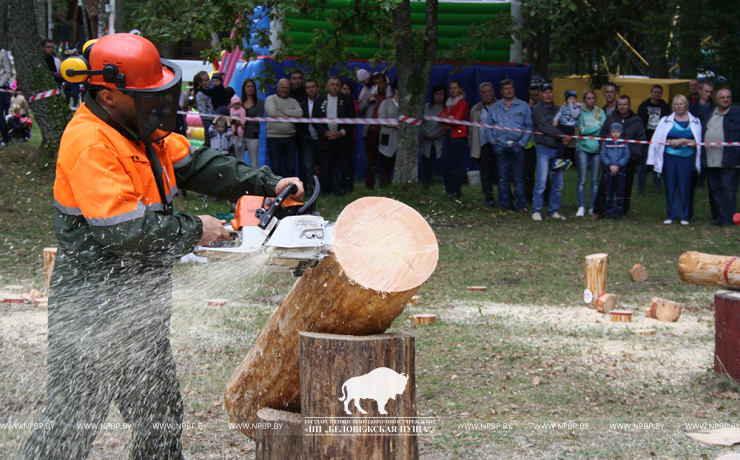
(294, 233)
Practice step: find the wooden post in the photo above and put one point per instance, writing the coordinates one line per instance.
(727, 333)
(50, 256)
(638, 273)
(596, 276)
(383, 251)
(354, 383)
(709, 270)
(279, 435)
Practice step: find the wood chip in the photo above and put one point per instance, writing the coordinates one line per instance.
(644, 331)
(723, 437)
(477, 288)
(7, 297)
(14, 287)
(216, 302)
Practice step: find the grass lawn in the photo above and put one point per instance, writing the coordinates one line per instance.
(550, 377)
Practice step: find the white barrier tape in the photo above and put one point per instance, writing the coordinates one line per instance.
(416, 121)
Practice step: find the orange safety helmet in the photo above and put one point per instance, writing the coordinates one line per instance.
(131, 64)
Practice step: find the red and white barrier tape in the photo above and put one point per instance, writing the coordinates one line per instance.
(416, 121)
(42, 95)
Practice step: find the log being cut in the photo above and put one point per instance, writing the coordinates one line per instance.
(382, 252)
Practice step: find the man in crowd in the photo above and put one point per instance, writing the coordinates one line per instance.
(281, 136)
(6, 74)
(335, 141)
(703, 110)
(650, 112)
(110, 299)
(299, 93)
(508, 146)
(634, 130)
(52, 62)
(369, 106)
(543, 115)
(723, 162)
(694, 85)
(309, 137)
(480, 147)
(530, 152)
(610, 94)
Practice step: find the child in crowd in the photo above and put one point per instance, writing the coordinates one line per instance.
(218, 95)
(237, 126)
(615, 154)
(19, 124)
(220, 134)
(567, 120)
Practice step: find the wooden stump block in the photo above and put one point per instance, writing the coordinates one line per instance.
(606, 302)
(638, 273)
(383, 251)
(664, 310)
(709, 270)
(596, 276)
(727, 333)
(644, 331)
(359, 382)
(423, 319)
(620, 316)
(50, 256)
(279, 435)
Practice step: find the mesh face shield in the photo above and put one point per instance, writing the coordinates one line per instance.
(156, 108)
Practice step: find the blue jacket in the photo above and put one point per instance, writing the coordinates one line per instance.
(614, 153)
(731, 125)
(518, 116)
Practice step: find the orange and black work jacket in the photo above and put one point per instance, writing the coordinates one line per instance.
(113, 194)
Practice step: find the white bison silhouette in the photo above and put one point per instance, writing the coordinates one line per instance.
(381, 385)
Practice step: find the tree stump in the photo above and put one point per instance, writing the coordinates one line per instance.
(709, 270)
(606, 303)
(383, 251)
(596, 276)
(727, 333)
(50, 256)
(279, 435)
(362, 385)
(638, 273)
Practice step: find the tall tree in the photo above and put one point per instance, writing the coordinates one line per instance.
(51, 113)
(386, 22)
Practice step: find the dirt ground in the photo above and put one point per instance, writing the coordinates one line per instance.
(209, 342)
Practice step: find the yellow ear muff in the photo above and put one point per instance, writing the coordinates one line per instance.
(87, 47)
(75, 69)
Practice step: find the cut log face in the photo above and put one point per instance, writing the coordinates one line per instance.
(664, 310)
(606, 303)
(638, 273)
(389, 251)
(363, 381)
(709, 270)
(596, 275)
(279, 436)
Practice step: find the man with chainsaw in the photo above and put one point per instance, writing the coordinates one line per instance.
(110, 302)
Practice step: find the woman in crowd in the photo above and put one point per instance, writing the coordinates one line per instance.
(432, 133)
(587, 150)
(676, 160)
(388, 136)
(456, 136)
(203, 102)
(349, 89)
(255, 107)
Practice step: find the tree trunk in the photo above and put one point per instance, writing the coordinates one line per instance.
(119, 18)
(359, 380)
(51, 113)
(39, 17)
(412, 85)
(382, 252)
(543, 50)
